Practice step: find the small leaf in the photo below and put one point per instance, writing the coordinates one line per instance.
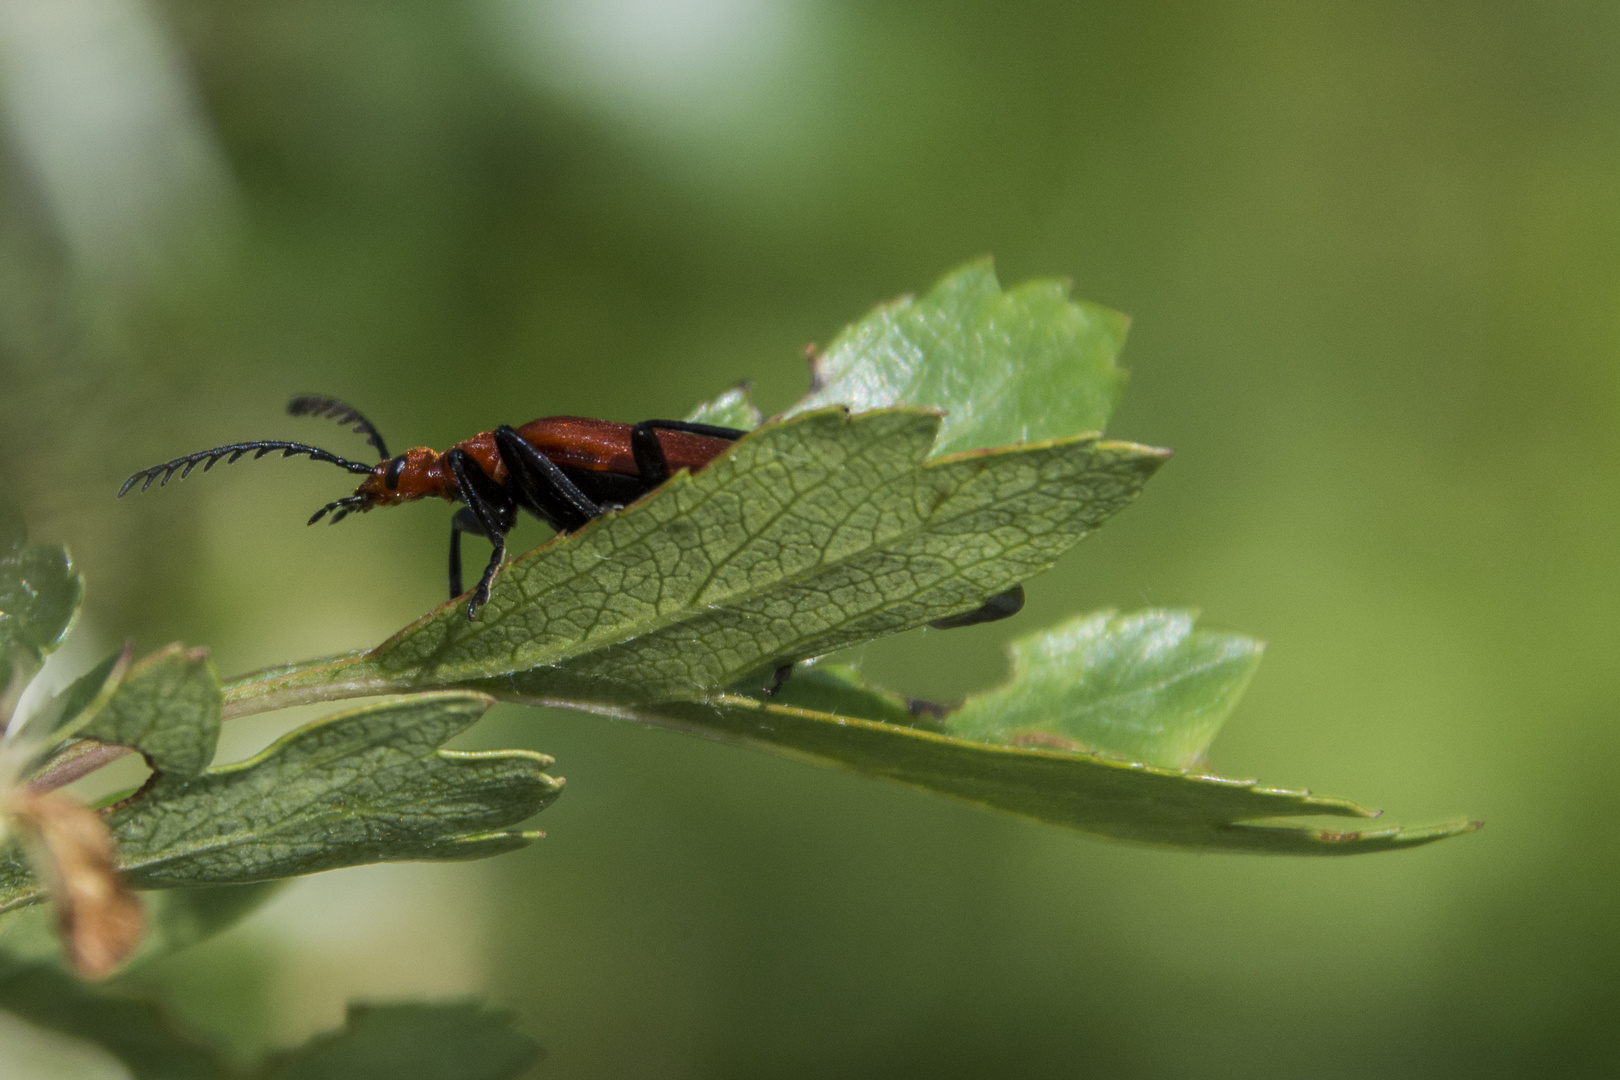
(731, 409)
(136, 1032)
(40, 593)
(1143, 687)
(99, 919)
(167, 708)
(811, 535)
(1005, 367)
(413, 1041)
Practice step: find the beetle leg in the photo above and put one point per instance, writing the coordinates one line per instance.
(545, 488)
(779, 679)
(480, 595)
(649, 452)
(1003, 605)
(494, 511)
(464, 521)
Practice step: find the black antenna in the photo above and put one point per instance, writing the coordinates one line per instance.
(344, 507)
(315, 405)
(234, 452)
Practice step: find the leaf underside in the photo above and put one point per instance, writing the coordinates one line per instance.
(1104, 796)
(369, 785)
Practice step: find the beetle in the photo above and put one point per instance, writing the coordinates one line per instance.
(565, 470)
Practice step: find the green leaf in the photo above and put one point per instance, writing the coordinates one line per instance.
(1143, 687)
(1100, 795)
(359, 787)
(413, 1041)
(731, 409)
(40, 592)
(167, 708)
(810, 535)
(136, 1032)
(364, 786)
(1005, 367)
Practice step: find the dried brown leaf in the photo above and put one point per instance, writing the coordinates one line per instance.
(97, 914)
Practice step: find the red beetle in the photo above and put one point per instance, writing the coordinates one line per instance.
(565, 470)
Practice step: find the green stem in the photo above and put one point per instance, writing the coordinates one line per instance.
(307, 682)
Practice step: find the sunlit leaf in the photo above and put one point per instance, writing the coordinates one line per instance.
(413, 1041)
(731, 409)
(167, 707)
(1005, 367)
(1144, 687)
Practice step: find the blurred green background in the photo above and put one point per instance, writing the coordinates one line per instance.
(1372, 252)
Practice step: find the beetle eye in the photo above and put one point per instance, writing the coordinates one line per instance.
(391, 477)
